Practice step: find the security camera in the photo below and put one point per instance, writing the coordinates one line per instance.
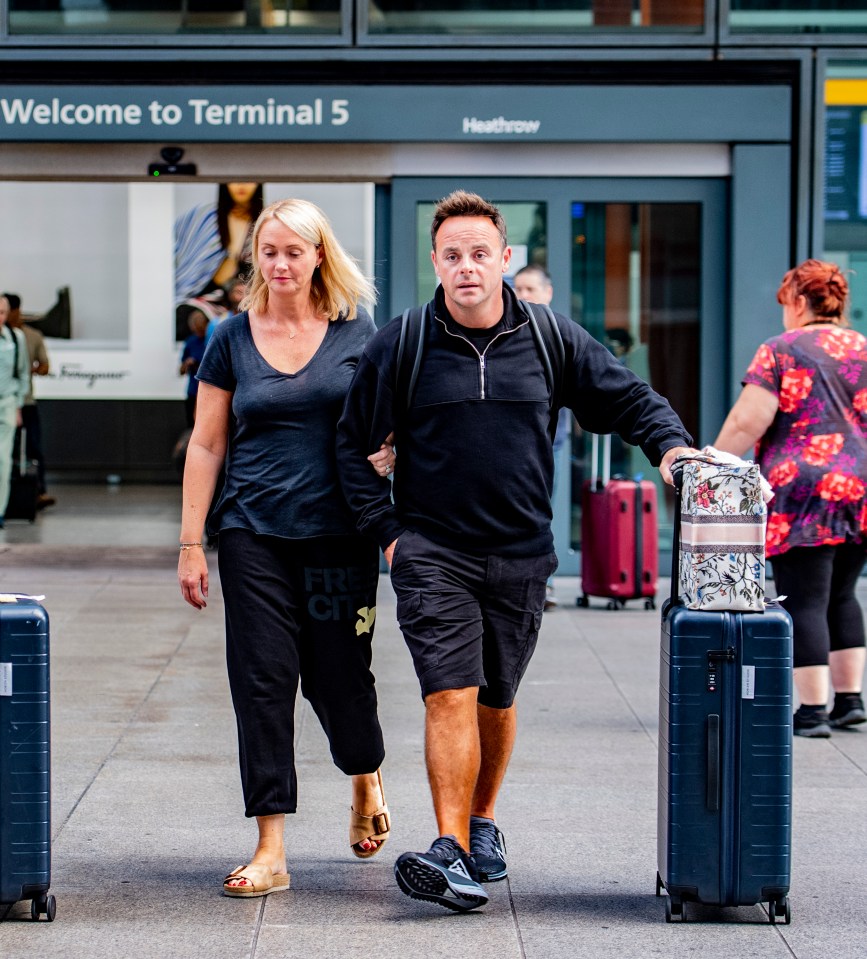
(173, 165)
(172, 155)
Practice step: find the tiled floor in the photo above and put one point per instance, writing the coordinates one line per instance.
(103, 515)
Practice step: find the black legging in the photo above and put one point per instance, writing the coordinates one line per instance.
(819, 585)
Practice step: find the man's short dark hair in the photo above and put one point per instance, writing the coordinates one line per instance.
(14, 300)
(462, 203)
(540, 271)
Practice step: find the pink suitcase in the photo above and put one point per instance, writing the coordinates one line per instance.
(619, 537)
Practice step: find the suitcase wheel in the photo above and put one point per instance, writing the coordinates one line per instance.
(615, 604)
(43, 906)
(674, 910)
(583, 602)
(650, 603)
(780, 909)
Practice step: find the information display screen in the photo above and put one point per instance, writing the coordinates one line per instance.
(845, 165)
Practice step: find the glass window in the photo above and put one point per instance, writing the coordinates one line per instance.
(636, 287)
(84, 257)
(845, 176)
(296, 17)
(68, 257)
(112, 273)
(533, 17)
(798, 16)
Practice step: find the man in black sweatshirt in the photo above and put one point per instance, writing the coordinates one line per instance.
(468, 533)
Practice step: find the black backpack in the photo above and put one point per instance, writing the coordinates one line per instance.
(543, 325)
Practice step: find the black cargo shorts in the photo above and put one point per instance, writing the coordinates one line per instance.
(469, 620)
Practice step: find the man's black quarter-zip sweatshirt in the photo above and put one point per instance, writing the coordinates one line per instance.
(475, 465)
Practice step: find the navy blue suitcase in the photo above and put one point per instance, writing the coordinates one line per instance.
(724, 814)
(25, 756)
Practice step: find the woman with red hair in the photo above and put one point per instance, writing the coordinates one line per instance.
(804, 403)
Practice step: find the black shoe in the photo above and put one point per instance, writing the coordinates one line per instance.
(812, 722)
(848, 710)
(444, 874)
(488, 849)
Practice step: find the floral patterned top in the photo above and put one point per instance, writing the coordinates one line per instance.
(815, 452)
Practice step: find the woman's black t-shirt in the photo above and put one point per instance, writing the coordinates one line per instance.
(281, 466)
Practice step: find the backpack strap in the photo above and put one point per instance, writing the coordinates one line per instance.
(549, 340)
(410, 347)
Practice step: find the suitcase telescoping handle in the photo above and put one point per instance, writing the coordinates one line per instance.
(600, 469)
(22, 451)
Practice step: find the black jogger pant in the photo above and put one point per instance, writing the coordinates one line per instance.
(299, 608)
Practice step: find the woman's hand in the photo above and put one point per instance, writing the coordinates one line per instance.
(193, 576)
(383, 459)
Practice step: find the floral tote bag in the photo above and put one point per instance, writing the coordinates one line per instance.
(722, 535)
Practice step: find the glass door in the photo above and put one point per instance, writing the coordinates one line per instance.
(638, 263)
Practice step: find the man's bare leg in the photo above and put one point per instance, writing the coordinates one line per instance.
(445, 873)
(452, 753)
(497, 730)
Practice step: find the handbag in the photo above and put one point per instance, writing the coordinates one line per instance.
(722, 542)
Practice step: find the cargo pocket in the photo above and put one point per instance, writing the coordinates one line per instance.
(415, 624)
(408, 602)
(534, 600)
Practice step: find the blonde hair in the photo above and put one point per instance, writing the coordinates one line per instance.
(338, 284)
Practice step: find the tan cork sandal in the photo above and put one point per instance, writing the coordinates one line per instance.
(261, 882)
(376, 827)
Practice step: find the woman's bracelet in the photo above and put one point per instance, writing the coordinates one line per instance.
(185, 546)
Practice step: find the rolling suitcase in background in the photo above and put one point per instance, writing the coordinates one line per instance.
(23, 485)
(25, 754)
(619, 536)
(724, 812)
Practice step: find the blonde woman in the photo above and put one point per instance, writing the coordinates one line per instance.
(298, 582)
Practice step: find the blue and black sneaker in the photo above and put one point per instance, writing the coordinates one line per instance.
(444, 874)
(488, 849)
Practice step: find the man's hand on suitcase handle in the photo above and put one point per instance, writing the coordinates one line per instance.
(669, 457)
